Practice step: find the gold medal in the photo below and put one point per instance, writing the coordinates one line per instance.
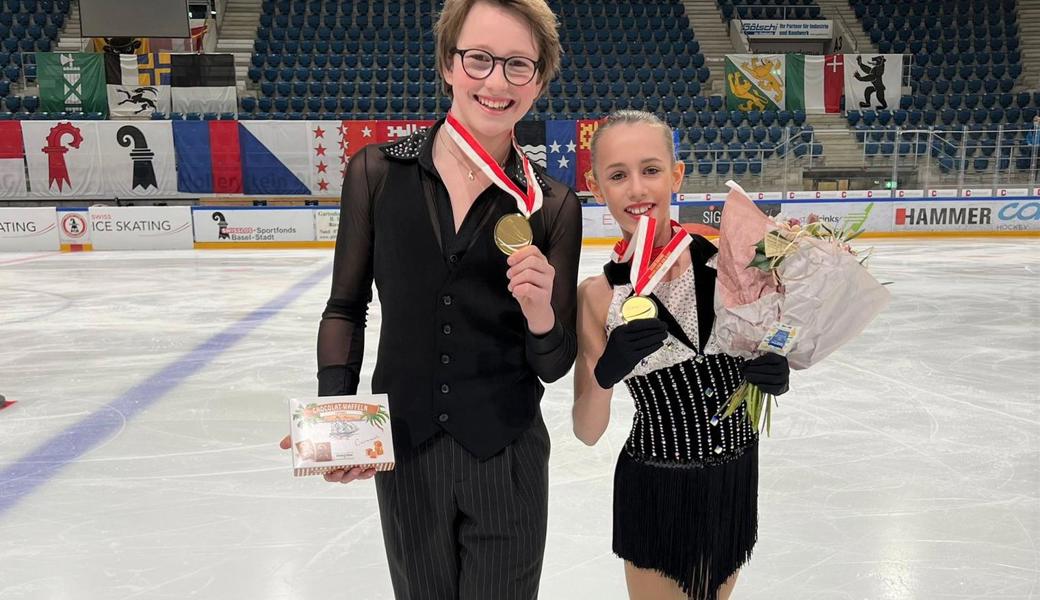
(638, 307)
(513, 232)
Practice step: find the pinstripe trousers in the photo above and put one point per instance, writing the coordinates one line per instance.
(456, 527)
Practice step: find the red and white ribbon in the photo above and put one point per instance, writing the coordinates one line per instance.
(648, 267)
(528, 201)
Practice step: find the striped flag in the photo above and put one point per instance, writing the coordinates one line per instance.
(814, 83)
(203, 83)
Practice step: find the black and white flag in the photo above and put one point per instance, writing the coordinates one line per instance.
(203, 83)
(873, 81)
(530, 135)
(127, 96)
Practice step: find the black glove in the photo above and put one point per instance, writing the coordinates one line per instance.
(770, 372)
(627, 345)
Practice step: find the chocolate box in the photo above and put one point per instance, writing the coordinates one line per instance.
(341, 432)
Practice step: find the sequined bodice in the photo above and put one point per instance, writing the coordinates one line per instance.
(678, 390)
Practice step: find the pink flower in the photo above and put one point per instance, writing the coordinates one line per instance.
(813, 218)
(794, 222)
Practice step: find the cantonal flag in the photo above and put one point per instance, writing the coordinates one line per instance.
(756, 82)
(332, 145)
(561, 151)
(12, 160)
(586, 127)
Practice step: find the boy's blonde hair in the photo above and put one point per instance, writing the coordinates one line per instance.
(537, 14)
(632, 117)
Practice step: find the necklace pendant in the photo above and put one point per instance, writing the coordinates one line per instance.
(471, 177)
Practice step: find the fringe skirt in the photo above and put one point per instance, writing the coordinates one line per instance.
(696, 524)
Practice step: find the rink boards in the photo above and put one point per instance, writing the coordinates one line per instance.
(885, 213)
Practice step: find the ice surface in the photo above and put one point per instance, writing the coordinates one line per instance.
(141, 458)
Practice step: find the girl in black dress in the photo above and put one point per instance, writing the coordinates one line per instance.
(686, 482)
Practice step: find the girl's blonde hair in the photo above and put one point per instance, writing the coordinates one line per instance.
(536, 12)
(632, 117)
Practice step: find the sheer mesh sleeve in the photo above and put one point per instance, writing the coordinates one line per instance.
(552, 355)
(341, 335)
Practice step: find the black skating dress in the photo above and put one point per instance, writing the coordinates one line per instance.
(686, 483)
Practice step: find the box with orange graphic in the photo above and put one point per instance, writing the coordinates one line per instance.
(341, 432)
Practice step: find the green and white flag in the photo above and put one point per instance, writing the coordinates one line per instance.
(805, 83)
(756, 82)
(71, 82)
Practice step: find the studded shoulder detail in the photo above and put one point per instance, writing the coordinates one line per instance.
(406, 148)
(538, 176)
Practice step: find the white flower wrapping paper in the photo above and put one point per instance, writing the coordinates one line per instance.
(824, 292)
(829, 297)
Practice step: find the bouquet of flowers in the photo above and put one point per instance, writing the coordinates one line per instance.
(797, 290)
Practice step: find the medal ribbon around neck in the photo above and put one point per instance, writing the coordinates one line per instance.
(624, 249)
(528, 202)
(644, 274)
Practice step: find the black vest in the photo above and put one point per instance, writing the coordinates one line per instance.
(452, 341)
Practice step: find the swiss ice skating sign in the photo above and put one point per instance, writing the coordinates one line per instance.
(141, 227)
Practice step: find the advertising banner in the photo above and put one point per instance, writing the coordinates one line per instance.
(1018, 215)
(27, 229)
(703, 218)
(226, 224)
(855, 216)
(788, 29)
(326, 224)
(598, 223)
(703, 197)
(838, 194)
(955, 216)
(1012, 192)
(141, 227)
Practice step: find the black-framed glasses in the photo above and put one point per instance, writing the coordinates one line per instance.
(478, 64)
